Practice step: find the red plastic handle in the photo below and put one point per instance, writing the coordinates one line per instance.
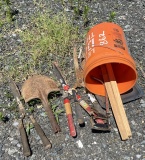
(71, 125)
(69, 117)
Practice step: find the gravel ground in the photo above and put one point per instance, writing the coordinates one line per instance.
(87, 145)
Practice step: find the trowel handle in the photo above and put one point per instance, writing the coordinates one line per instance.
(69, 117)
(50, 114)
(24, 139)
(41, 134)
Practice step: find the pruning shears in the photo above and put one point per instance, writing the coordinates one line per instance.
(98, 120)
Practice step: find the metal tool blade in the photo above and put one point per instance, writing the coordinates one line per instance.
(17, 95)
(58, 74)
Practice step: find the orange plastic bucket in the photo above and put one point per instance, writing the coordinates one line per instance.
(106, 43)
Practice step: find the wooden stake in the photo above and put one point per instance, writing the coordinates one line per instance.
(116, 102)
(118, 98)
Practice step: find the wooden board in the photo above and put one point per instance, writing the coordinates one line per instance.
(115, 101)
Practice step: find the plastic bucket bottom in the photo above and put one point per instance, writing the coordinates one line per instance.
(97, 54)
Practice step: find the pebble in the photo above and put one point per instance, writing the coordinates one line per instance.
(33, 157)
(143, 142)
(115, 129)
(14, 35)
(67, 137)
(133, 122)
(15, 124)
(37, 137)
(143, 105)
(142, 101)
(39, 106)
(138, 156)
(14, 142)
(127, 28)
(122, 17)
(94, 142)
(43, 114)
(11, 138)
(139, 134)
(79, 143)
(12, 151)
(126, 158)
(18, 145)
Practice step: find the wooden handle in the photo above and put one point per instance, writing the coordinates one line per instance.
(24, 139)
(115, 100)
(41, 134)
(50, 114)
(69, 117)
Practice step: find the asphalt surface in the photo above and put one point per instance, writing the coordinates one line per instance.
(130, 15)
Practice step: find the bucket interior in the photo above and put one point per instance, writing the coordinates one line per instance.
(125, 77)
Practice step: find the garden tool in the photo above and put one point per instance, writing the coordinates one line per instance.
(66, 102)
(24, 139)
(38, 87)
(98, 120)
(79, 83)
(37, 127)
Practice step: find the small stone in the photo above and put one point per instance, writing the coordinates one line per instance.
(67, 9)
(43, 114)
(80, 145)
(12, 151)
(19, 41)
(15, 124)
(18, 145)
(94, 142)
(115, 129)
(138, 156)
(11, 138)
(126, 158)
(14, 35)
(139, 134)
(89, 146)
(122, 17)
(133, 122)
(14, 142)
(33, 157)
(127, 28)
(67, 137)
(37, 137)
(143, 105)
(63, 145)
(142, 101)
(143, 142)
(39, 106)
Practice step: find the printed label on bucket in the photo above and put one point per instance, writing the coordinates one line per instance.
(93, 42)
(90, 43)
(110, 38)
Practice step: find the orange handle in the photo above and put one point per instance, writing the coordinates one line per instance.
(69, 117)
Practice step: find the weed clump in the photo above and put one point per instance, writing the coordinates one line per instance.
(47, 36)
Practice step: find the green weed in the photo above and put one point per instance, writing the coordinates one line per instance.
(49, 37)
(3, 118)
(6, 13)
(112, 16)
(29, 126)
(57, 112)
